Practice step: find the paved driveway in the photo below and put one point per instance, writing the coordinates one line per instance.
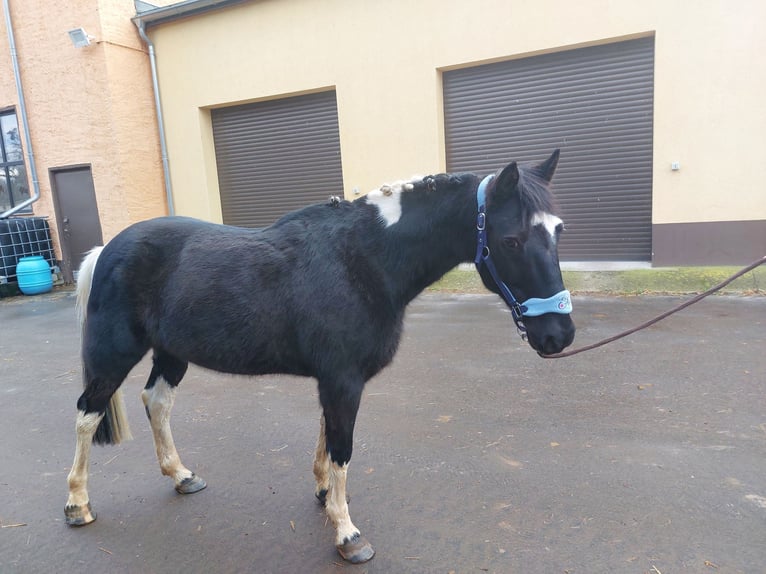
(471, 455)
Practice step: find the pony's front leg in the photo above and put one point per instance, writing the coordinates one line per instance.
(348, 540)
(321, 465)
(158, 397)
(340, 406)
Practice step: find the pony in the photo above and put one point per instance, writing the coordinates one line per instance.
(320, 293)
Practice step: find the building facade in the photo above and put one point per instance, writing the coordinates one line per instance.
(654, 104)
(272, 104)
(91, 121)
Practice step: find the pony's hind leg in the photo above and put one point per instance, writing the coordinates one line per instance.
(340, 403)
(112, 344)
(77, 511)
(158, 397)
(101, 418)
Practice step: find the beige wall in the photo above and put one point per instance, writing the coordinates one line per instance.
(89, 105)
(384, 58)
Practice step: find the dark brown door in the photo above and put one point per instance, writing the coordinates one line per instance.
(77, 216)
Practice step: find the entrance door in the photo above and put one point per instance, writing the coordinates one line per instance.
(77, 216)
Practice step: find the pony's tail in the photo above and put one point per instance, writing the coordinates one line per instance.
(84, 281)
(113, 428)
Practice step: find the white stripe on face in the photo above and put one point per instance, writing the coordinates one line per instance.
(548, 221)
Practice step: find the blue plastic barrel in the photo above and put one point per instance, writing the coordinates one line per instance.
(34, 275)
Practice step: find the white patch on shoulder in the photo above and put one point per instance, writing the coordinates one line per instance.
(548, 221)
(388, 203)
(388, 199)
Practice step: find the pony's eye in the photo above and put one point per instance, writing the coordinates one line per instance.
(512, 242)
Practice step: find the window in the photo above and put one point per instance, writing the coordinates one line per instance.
(13, 174)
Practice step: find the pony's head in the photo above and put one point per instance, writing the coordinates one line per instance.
(520, 252)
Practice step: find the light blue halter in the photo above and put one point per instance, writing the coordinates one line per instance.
(561, 302)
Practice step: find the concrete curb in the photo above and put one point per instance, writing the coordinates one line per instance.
(631, 282)
(656, 281)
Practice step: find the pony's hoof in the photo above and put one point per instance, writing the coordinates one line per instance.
(191, 485)
(356, 550)
(79, 515)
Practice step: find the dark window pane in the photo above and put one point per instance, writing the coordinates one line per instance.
(5, 200)
(11, 139)
(19, 185)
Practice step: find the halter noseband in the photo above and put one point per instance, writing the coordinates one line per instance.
(561, 302)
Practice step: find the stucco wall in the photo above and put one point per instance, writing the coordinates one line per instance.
(384, 60)
(90, 105)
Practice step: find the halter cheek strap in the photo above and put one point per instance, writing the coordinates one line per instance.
(561, 302)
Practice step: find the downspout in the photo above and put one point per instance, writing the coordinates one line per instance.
(158, 106)
(23, 119)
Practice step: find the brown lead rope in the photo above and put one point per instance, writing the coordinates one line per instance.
(659, 318)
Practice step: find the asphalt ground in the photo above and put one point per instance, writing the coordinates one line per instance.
(472, 454)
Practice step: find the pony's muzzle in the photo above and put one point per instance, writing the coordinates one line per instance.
(550, 333)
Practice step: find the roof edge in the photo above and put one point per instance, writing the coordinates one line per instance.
(150, 15)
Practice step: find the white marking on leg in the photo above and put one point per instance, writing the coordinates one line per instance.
(159, 402)
(85, 427)
(337, 507)
(321, 461)
(548, 221)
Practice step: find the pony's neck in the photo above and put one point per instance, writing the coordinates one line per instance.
(435, 232)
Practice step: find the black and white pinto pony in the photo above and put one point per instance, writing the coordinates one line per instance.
(321, 293)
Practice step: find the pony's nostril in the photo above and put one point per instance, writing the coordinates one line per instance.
(551, 345)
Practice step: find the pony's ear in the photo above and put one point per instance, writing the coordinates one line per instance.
(548, 167)
(506, 182)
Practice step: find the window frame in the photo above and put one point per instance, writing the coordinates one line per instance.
(6, 166)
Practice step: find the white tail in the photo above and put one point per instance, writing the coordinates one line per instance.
(114, 427)
(84, 281)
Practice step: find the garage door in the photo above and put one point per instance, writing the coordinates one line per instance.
(276, 156)
(596, 105)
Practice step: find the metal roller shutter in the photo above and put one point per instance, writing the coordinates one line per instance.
(276, 156)
(596, 105)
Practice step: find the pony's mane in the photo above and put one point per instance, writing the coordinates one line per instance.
(402, 185)
(534, 190)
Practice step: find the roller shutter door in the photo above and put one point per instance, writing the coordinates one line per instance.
(596, 105)
(276, 156)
